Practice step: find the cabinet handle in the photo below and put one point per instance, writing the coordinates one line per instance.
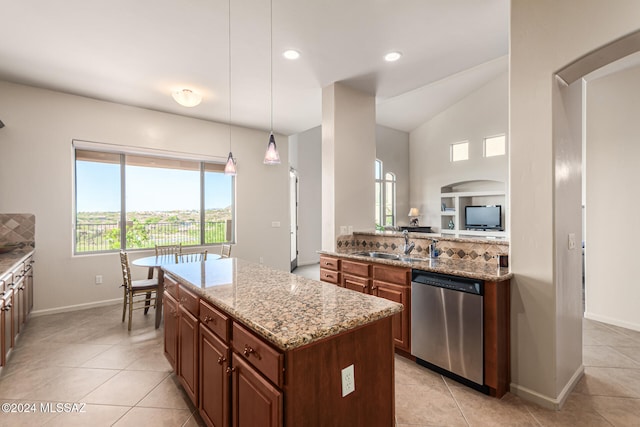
(328, 276)
(221, 360)
(174, 313)
(373, 288)
(7, 307)
(248, 351)
(229, 370)
(208, 319)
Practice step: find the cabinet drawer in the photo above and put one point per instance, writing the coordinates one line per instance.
(257, 352)
(329, 263)
(188, 300)
(171, 286)
(215, 320)
(356, 283)
(329, 276)
(356, 268)
(397, 275)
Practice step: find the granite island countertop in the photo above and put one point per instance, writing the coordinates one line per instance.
(456, 267)
(287, 310)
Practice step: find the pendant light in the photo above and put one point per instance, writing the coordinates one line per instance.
(271, 157)
(230, 167)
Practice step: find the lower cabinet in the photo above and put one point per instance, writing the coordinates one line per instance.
(214, 379)
(171, 314)
(16, 303)
(256, 402)
(188, 352)
(384, 281)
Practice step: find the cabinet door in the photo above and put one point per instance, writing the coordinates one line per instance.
(400, 294)
(5, 327)
(256, 402)
(15, 316)
(356, 283)
(170, 307)
(214, 380)
(188, 353)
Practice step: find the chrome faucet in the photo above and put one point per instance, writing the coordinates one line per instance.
(433, 250)
(408, 247)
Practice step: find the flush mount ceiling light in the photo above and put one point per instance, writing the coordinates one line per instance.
(187, 97)
(291, 54)
(392, 56)
(230, 167)
(271, 156)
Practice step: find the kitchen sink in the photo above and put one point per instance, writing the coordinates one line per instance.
(387, 255)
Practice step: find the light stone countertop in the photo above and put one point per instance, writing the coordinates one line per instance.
(287, 310)
(10, 260)
(455, 267)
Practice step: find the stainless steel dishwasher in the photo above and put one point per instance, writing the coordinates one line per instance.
(447, 325)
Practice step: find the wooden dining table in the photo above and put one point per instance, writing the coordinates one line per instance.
(156, 263)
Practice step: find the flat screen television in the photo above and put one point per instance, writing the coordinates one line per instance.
(483, 217)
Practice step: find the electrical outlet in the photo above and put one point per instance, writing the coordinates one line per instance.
(572, 240)
(98, 279)
(348, 381)
(275, 224)
(261, 260)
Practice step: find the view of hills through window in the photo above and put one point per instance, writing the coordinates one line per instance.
(163, 199)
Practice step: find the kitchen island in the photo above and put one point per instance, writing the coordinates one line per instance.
(256, 346)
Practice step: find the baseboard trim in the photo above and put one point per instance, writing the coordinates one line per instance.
(546, 401)
(612, 321)
(68, 308)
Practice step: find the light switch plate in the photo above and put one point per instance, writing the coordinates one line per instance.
(348, 381)
(572, 240)
(275, 224)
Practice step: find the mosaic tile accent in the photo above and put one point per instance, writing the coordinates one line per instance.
(466, 249)
(18, 228)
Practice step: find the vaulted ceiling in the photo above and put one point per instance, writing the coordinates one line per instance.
(138, 52)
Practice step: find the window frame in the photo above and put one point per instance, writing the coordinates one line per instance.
(504, 145)
(452, 158)
(380, 185)
(206, 164)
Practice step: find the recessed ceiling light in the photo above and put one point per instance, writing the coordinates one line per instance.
(392, 56)
(291, 54)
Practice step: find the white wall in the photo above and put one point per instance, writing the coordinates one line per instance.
(545, 36)
(36, 176)
(307, 147)
(392, 147)
(348, 159)
(612, 202)
(481, 114)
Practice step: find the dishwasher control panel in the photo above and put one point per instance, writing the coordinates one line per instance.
(457, 283)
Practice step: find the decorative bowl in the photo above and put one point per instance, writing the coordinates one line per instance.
(7, 247)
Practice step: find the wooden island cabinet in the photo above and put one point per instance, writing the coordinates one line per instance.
(263, 358)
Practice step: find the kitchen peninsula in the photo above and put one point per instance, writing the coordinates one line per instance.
(376, 263)
(264, 347)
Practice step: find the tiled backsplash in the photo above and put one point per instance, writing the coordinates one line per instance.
(449, 248)
(18, 228)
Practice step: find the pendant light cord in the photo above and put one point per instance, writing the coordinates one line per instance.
(229, 28)
(271, 59)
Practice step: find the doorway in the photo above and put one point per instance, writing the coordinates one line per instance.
(293, 205)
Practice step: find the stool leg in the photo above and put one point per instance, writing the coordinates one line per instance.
(147, 302)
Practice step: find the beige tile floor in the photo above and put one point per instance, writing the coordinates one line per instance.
(123, 379)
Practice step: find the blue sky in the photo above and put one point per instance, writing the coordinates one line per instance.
(148, 189)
